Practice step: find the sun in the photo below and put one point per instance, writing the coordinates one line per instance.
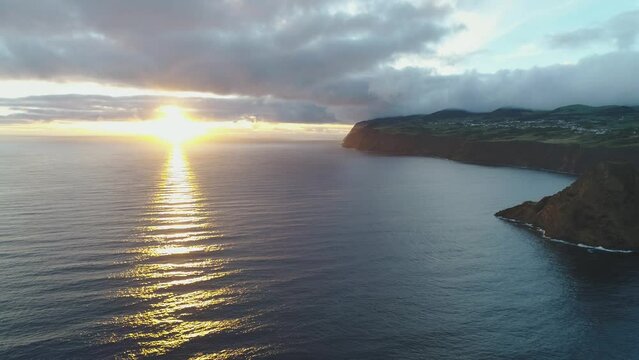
(174, 125)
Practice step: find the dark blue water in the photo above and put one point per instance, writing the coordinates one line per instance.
(223, 251)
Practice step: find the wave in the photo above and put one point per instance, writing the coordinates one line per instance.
(583, 246)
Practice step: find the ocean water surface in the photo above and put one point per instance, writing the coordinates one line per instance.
(113, 249)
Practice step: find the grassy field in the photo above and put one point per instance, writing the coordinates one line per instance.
(606, 126)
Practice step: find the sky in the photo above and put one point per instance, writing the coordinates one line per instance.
(316, 65)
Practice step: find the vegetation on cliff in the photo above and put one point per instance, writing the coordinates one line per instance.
(569, 139)
(611, 126)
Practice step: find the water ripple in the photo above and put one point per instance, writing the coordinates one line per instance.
(173, 272)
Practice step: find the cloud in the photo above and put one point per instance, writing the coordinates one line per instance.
(283, 60)
(577, 38)
(280, 48)
(622, 29)
(96, 108)
(598, 80)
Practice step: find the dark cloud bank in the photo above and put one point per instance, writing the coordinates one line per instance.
(286, 60)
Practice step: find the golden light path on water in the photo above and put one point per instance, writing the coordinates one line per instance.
(174, 272)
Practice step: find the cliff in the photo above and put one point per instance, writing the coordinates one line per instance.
(569, 139)
(600, 209)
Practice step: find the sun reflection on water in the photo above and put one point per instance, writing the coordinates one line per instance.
(176, 271)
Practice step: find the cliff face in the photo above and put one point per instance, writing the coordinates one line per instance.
(568, 158)
(601, 208)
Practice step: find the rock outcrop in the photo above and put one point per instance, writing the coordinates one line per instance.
(600, 209)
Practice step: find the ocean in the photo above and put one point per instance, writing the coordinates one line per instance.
(291, 250)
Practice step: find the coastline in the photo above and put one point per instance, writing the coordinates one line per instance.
(498, 165)
(570, 159)
(565, 159)
(542, 232)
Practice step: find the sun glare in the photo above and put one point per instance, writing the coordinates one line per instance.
(175, 126)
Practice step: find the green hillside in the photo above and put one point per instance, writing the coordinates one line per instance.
(609, 126)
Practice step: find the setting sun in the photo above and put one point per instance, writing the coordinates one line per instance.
(174, 125)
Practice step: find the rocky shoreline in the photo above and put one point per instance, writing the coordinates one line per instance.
(542, 233)
(599, 210)
(565, 158)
